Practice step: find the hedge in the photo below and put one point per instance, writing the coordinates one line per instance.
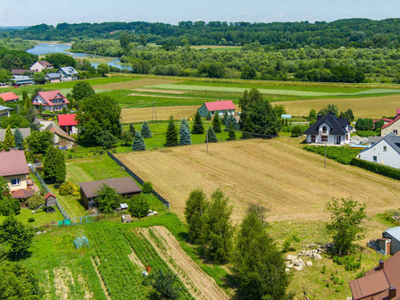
(368, 133)
(377, 168)
(343, 155)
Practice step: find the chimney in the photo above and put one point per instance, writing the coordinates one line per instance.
(392, 292)
(381, 264)
(319, 116)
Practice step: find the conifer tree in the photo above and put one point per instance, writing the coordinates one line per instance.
(231, 133)
(132, 129)
(234, 122)
(225, 119)
(60, 171)
(171, 135)
(216, 122)
(209, 116)
(184, 134)
(9, 140)
(198, 127)
(145, 131)
(54, 169)
(19, 139)
(138, 142)
(212, 138)
(247, 129)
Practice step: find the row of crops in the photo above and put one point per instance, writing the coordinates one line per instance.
(122, 278)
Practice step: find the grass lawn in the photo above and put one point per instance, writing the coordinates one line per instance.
(41, 217)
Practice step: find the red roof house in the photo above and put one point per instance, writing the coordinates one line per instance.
(220, 106)
(10, 96)
(379, 283)
(68, 123)
(50, 100)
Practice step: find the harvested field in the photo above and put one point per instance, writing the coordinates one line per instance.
(368, 107)
(158, 96)
(276, 173)
(161, 91)
(132, 115)
(199, 283)
(133, 84)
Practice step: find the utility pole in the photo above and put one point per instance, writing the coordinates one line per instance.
(153, 112)
(325, 155)
(207, 139)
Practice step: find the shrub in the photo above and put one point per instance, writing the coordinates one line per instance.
(139, 206)
(35, 201)
(350, 262)
(68, 188)
(343, 155)
(377, 168)
(367, 133)
(296, 130)
(147, 187)
(31, 220)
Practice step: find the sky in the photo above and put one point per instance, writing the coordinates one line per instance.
(33, 12)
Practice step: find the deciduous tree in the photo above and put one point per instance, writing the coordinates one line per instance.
(8, 205)
(108, 199)
(139, 206)
(196, 205)
(82, 89)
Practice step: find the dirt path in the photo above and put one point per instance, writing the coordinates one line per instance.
(196, 280)
(103, 286)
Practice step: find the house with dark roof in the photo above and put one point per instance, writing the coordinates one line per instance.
(385, 151)
(53, 77)
(41, 65)
(124, 186)
(14, 168)
(50, 100)
(9, 97)
(380, 283)
(22, 72)
(217, 106)
(68, 73)
(68, 123)
(330, 130)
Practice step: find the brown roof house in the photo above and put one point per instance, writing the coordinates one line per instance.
(124, 186)
(380, 283)
(14, 168)
(61, 138)
(41, 65)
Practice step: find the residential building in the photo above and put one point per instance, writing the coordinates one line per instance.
(24, 131)
(68, 123)
(217, 106)
(391, 127)
(385, 120)
(53, 77)
(14, 168)
(379, 283)
(9, 97)
(41, 65)
(22, 72)
(50, 100)
(21, 80)
(61, 139)
(385, 151)
(5, 111)
(330, 130)
(68, 73)
(124, 186)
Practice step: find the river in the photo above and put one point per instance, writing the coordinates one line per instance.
(46, 48)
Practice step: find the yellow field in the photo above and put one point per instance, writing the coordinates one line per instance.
(275, 173)
(368, 107)
(132, 115)
(126, 85)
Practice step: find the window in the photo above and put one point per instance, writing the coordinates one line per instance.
(324, 129)
(395, 132)
(312, 138)
(375, 158)
(15, 181)
(324, 138)
(384, 148)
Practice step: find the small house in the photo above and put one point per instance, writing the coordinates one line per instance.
(41, 65)
(124, 186)
(5, 111)
(385, 151)
(330, 130)
(21, 80)
(50, 201)
(50, 100)
(68, 74)
(217, 106)
(24, 131)
(381, 282)
(53, 77)
(14, 168)
(61, 139)
(9, 97)
(68, 123)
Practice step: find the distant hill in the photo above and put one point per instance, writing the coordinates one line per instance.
(13, 27)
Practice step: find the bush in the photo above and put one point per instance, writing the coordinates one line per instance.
(147, 187)
(297, 130)
(377, 168)
(350, 262)
(68, 188)
(35, 201)
(139, 206)
(367, 133)
(343, 155)
(31, 220)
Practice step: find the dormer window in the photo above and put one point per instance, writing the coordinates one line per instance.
(324, 129)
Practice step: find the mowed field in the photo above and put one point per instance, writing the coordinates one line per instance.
(133, 115)
(366, 107)
(275, 173)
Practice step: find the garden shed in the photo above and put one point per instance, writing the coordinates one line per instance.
(50, 201)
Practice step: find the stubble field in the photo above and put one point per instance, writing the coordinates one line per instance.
(133, 115)
(275, 173)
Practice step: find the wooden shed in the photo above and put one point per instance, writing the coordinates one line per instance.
(50, 201)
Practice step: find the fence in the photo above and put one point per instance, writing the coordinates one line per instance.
(78, 220)
(138, 179)
(59, 206)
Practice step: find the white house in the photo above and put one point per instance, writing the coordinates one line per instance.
(50, 100)
(41, 65)
(68, 73)
(386, 151)
(330, 130)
